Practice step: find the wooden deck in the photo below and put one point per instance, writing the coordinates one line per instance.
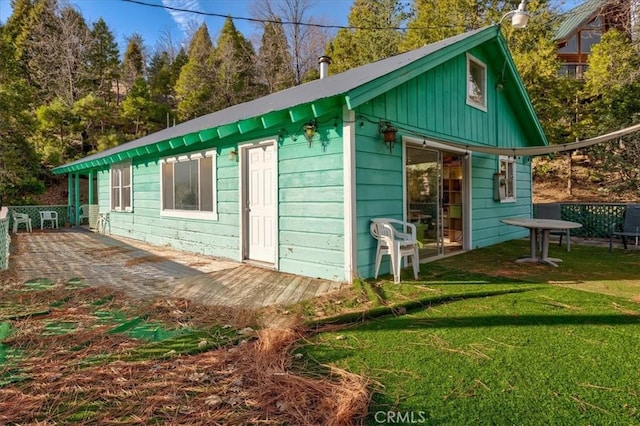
(251, 286)
(147, 271)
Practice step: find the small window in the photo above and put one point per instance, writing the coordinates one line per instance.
(508, 170)
(476, 83)
(189, 185)
(121, 187)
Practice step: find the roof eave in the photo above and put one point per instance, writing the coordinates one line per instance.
(295, 114)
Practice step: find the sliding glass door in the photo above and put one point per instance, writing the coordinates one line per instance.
(424, 193)
(434, 183)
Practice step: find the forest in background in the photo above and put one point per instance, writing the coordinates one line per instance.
(67, 89)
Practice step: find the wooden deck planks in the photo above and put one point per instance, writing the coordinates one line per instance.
(291, 292)
(275, 287)
(152, 272)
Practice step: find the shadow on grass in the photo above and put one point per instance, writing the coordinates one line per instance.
(502, 321)
(410, 306)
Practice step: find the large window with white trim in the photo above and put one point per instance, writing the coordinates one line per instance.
(476, 83)
(508, 171)
(121, 187)
(189, 185)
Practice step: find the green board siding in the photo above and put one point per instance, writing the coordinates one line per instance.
(378, 192)
(311, 204)
(434, 105)
(210, 237)
(486, 212)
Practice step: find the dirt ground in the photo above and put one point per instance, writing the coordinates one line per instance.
(551, 183)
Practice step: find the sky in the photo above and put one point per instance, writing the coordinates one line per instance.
(125, 18)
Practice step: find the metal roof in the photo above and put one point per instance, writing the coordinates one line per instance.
(576, 17)
(350, 88)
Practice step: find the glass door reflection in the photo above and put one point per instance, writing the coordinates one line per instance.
(434, 183)
(424, 189)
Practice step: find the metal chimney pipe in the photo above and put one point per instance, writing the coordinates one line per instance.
(323, 63)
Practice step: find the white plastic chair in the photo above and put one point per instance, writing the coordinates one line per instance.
(21, 219)
(84, 213)
(103, 223)
(395, 243)
(48, 216)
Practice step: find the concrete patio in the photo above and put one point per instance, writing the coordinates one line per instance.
(147, 271)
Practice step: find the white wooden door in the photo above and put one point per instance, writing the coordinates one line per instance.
(261, 204)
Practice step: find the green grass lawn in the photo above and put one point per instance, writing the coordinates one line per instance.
(532, 353)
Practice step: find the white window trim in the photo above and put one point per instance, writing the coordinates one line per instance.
(514, 168)
(119, 166)
(191, 214)
(471, 102)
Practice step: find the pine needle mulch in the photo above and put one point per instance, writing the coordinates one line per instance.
(71, 354)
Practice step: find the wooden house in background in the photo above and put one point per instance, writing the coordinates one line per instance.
(292, 180)
(583, 26)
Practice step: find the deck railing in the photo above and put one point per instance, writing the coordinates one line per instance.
(596, 218)
(5, 239)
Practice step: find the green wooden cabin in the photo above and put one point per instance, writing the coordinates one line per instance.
(291, 180)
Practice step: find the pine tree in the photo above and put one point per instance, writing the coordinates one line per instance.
(134, 60)
(179, 61)
(103, 60)
(274, 59)
(435, 20)
(138, 109)
(611, 100)
(235, 72)
(195, 86)
(159, 77)
(55, 138)
(19, 164)
(94, 118)
(352, 48)
(16, 28)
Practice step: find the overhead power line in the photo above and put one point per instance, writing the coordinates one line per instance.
(308, 24)
(277, 21)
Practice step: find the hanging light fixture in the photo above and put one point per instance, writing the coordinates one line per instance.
(389, 134)
(310, 130)
(519, 17)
